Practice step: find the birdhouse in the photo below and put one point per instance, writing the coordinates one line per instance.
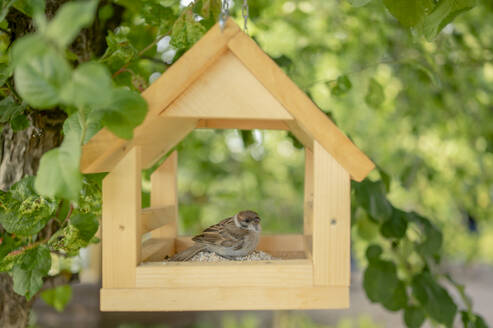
(225, 81)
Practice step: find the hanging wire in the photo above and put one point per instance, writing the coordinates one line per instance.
(223, 16)
(244, 13)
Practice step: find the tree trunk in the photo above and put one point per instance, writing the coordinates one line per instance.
(21, 151)
(14, 308)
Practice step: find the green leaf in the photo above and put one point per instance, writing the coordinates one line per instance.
(90, 87)
(396, 225)
(341, 86)
(4, 8)
(386, 179)
(373, 252)
(19, 122)
(434, 299)
(186, 30)
(9, 108)
(30, 7)
(29, 272)
(59, 174)
(86, 224)
(414, 317)
(58, 297)
(375, 95)
(126, 111)
(358, 3)
(443, 14)
(40, 74)
(367, 228)
(409, 12)
(471, 320)
(210, 9)
(432, 237)
(26, 213)
(382, 285)
(371, 197)
(69, 20)
(120, 50)
(5, 73)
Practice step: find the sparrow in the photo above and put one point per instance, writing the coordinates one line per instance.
(232, 237)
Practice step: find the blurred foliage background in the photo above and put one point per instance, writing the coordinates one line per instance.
(418, 108)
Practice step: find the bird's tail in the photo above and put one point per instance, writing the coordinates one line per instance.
(188, 253)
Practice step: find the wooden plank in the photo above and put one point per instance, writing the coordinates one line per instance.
(156, 249)
(275, 273)
(231, 298)
(156, 217)
(308, 194)
(104, 150)
(227, 90)
(315, 123)
(161, 135)
(241, 124)
(268, 243)
(300, 134)
(164, 193)
(121, 234)
(331, 220)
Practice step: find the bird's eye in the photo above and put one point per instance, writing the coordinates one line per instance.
(248, 220)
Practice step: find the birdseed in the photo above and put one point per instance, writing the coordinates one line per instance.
(213, 257)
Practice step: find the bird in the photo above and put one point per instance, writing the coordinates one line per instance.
(231, 238)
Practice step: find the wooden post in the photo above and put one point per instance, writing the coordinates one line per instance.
(308, 203)
(164, 192)
(121, 235)
(331, 220)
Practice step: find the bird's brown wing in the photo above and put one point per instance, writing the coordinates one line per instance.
(221, 234)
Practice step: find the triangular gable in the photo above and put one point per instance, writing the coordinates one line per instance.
(181, 98)
(227, 90)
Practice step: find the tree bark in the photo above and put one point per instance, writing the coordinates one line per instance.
(14, 308)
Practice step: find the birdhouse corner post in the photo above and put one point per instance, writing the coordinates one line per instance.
(331, 220)
(164, 195)
(121, 231)
(308, 203)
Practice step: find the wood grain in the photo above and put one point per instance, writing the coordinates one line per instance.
(241, 124)
(331, 220)
(164, 193)
(233, 298)
(275, 273)
(121, 235)
(227, 90)
(157, 217)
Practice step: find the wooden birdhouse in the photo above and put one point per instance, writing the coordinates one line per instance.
(225, 81)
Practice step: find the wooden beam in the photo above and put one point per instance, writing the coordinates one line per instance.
(156, 249)
(308, 203)
(308, 194)
(156, 217)
(164, 193)
(241, 124)
(308, 116)
(275, 273)
(231, 298)
(121, 233)
(104, 150)
(227, 90)
(300, 134)
(331, 220)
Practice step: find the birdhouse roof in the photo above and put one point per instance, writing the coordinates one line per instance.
(224, 80)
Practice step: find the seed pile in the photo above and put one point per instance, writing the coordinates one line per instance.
(213, 257)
